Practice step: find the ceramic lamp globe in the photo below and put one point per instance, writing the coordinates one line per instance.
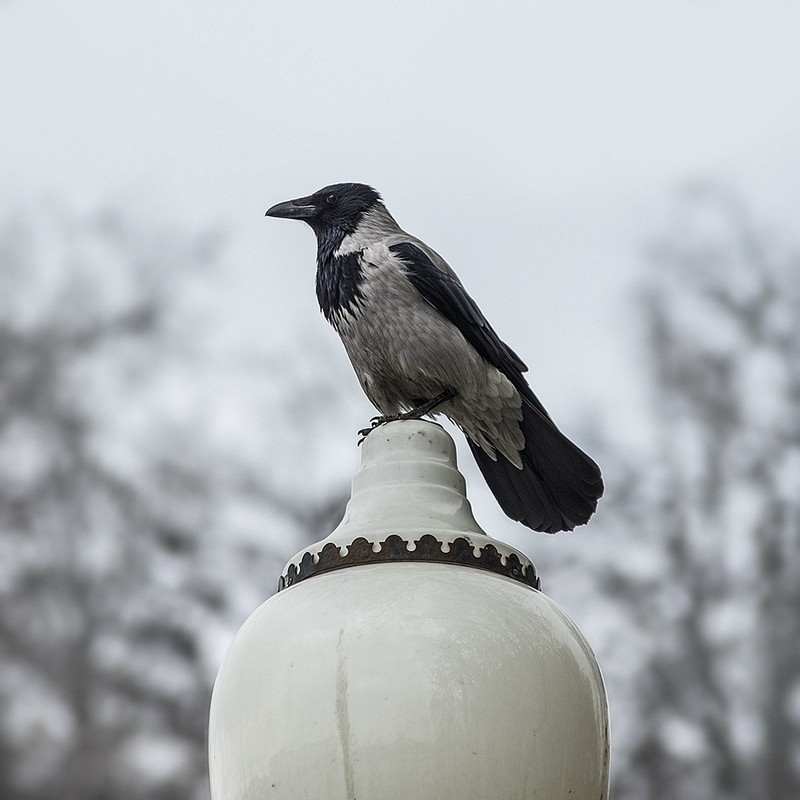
(409, 656)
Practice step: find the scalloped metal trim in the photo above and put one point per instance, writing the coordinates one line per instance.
(395, 548)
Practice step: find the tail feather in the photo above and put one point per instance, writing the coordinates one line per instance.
(558, 486)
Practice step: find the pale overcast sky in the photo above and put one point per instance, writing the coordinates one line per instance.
(536, 145)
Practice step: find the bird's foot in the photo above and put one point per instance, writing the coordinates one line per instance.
(415, 413)
(376, 422)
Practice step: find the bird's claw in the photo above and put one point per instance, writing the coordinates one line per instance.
(415, 413)
(375, 422)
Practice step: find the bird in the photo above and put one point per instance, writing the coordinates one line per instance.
(420, 345)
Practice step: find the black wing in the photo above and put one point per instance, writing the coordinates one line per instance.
(446, 294)
(559, 484)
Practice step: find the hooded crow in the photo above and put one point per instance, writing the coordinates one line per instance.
(420, 345)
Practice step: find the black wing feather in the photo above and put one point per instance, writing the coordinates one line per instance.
(558, 485)
(446, 294)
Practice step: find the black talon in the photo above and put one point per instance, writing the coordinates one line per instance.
(375, 422)
(415, 413)
(363, 433)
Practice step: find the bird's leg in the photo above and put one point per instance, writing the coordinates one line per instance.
(415, 413)
(429, 405)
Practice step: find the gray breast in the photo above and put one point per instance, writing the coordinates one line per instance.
(405, 352)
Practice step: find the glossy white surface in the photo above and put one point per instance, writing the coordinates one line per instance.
(409, 681)
(399, 681)
(409, 484)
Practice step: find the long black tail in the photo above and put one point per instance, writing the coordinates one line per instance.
(558, 486)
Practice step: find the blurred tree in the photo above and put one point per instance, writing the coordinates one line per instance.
(134, 540)
(141, 519)
(716, 688)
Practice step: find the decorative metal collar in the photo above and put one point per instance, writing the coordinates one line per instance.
(395, 548)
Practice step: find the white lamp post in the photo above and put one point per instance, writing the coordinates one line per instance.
(408, 656)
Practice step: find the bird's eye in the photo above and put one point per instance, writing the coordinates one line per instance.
(330, 200)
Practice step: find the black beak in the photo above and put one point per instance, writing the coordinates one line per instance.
(302, 208)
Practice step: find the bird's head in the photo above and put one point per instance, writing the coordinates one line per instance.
(337, 207)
